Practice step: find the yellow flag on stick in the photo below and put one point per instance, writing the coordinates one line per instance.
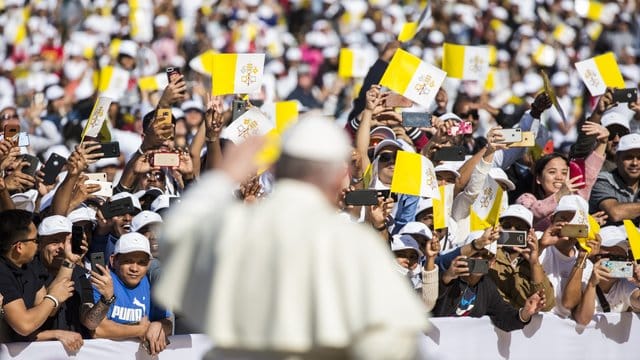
(408, 31)
(466, 62)
(353, 63)
(634, 238)
(203, 63)
(415, 175)
(485, 210)
(153, 83)
(552, 95)
(442, 207)
(96, 126)
(600, 72)
(237, 73)
(413, 78)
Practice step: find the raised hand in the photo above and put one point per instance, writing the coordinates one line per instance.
(531, 252)
(494, 140)
(61, 289)
(599, 273)
(102, 281)
(459, 267)
(605, 102)
(213, 118)
(250, 190)
(600, 217)
(175, 92)
(377, 214)
(18, 181)
(533, 305)
(598, 131)
(373, 98)
(541, 103)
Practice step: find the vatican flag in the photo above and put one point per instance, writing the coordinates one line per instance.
(153, 83)
(282, 114)
(413, 78)
(634, 238)
(96, 126)
(485, 210)
(203, 63)
(415, 175)
(564, 34)
(597, 11)
(442, 207)
(113, 82)
(600, 72)
(466, 62)
(353, 63)
(252, 123)
(237, 73)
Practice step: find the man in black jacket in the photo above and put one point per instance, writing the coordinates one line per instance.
(463, 293)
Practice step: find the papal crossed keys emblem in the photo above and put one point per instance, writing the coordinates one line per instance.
(475, 64)
(96, 116)
(249, 72)
(425, 84)
(592, 78)
(485, 200)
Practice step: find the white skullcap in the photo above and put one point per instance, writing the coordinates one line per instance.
(317, 138)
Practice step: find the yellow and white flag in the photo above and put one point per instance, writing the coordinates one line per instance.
(353, 63)
(415, 175)
(544, 55)
(634, 238)
(203, 63)
(442, 207)
(252, 123)
(153, 83)
(564, 34)
(413, 78)
(282, 114)
(597, 11)
(466, 62)
(408, 31)
(113, 82)
(600, 72)
(237, 73)
(485, 210)
(96, 126)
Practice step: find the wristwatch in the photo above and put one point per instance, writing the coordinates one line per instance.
(68, 264)
(107, 301)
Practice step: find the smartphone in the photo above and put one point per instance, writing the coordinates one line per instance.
(416, 119)
(619, 269)
(106, 188)
(110, 149)
(510, 135)
(172, 71)
(450, 153)
(528, 140)
(625, 95)
(38, 98)
(33, 166)
(396, 100)
(513, 239)
(77, 233)
(52, 168)
(576, 168)
(463, 128)
(174, 200)
(361, 197)
(163, 116)
(10, 131)
(238, 107)
(165, 159)
(477, 266)
(23, 139)
(388, 194)
(96, 258)
(118, 207)
(574, 231)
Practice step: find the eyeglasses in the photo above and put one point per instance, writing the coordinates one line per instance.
(155, 176)
(10, 116)
(619, 133)
(35, 240)
(387, 157)
(473, 113)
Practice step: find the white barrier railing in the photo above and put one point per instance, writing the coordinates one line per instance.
(610, 336)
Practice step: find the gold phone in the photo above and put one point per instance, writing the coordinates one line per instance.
(528, 140)
(163, 116)
(574, 231)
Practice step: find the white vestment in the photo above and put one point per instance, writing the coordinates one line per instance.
(285, 275)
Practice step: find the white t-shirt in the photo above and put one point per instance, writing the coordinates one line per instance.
(558, 268)
(619, 296)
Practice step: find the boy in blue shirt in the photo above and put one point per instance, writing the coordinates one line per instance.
(123, 297)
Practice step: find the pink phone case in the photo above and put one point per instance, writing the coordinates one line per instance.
(576, 168)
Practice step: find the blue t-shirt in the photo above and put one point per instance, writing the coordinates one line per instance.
(132, 304)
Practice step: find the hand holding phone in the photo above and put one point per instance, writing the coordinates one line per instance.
(478, 266)
(625, 95)
(109, 150)
(165, 159)
(77, 235)
(510, 135)
(33, 166)
(574, 231)
(416, 119)
(11, 131)
(367, 197)
(450, 153)
(97, 258)
(576, 168)
(52, 168)
(513, 239)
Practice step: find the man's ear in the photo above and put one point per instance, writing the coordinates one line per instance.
(112, 261)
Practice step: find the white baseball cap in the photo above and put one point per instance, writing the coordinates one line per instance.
(447, 166)
(614, 118)
(26, 200)
(520, 212)
(54, 92)
(572, 203)
(132, 242)
(161, 202)
(129, 48)
(450, 116)
(416, 227)
(386, 143)
(317, 138)
(192, 105)
(500, 176)
(55, 224)
(629, 142)
(403, 242)
(560, 79)
(424, 204)
(614, 236)
(143, 219)
(82, 214)
(382, 131)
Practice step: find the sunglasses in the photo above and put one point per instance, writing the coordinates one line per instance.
(473, 113)
(387, 157)
(508, 225)
(157, 176)
(10, 116)
(619, 133)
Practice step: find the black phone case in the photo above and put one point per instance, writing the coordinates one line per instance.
(451, 153)
(238, 107)
(416, 119)
(110, 149)
(478, 266)
(52, 168)
(76, 239)
(625, 95)
(513, 239)
(118, 207)
(97, 258)
(361, 197)
(33, 165)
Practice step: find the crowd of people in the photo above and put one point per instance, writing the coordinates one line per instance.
(54, 55)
